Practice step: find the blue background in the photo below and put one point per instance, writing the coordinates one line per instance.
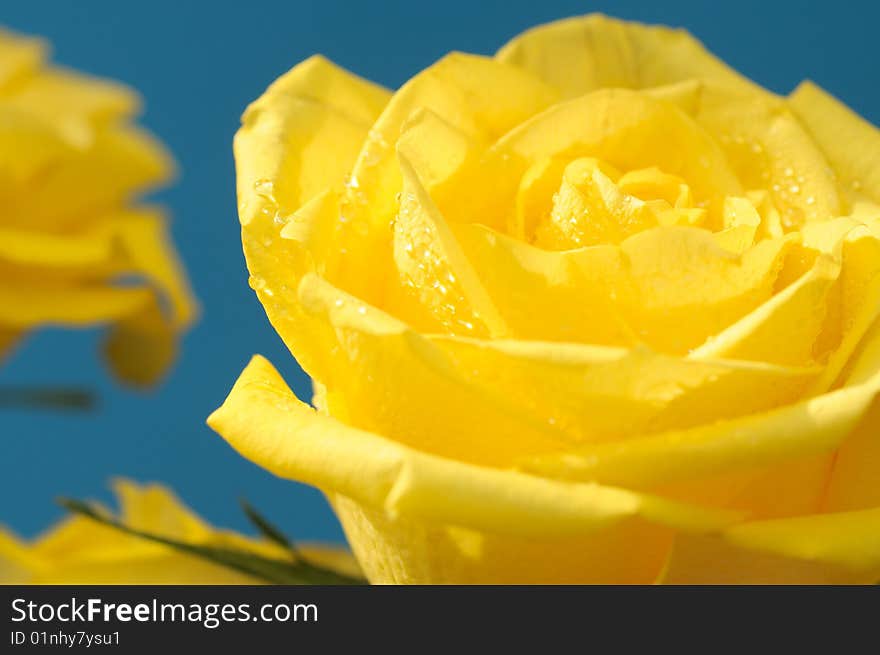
(197, 64)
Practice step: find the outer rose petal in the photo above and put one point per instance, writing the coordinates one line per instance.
(264, 421)
(295, 143)
(578, 55)
(387, 493)
(768, 148)
(851, 144)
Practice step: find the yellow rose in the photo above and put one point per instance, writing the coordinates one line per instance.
(597, 309)
(81, 551)
(71, 163)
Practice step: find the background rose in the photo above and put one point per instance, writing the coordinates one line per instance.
(78, 550)
(595, 310)
(74, 249)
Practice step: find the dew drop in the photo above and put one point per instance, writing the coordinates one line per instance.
(264, 187)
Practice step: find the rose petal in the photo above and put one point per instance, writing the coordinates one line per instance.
(126, 159)
(264, 421)
(700, 559)
(629, 130)
(19, 56)
(295, 143)
(578, 55)
(850, 143)
(814, 426)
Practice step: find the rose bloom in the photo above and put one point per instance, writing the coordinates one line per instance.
(75, 250)
(80, 551)
(594, 310)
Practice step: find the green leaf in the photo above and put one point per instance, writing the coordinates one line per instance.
(57, 398)
(267, 529)
(275, 571)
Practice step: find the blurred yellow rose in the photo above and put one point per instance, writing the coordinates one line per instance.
(597, 309)
(74, 249)
(81, 551)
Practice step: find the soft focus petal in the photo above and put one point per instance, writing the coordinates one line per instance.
(53, 251)
(19, 56)
(74, 105)
(81, 551)
(29, 306)
(143, 237)
(124, 159)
